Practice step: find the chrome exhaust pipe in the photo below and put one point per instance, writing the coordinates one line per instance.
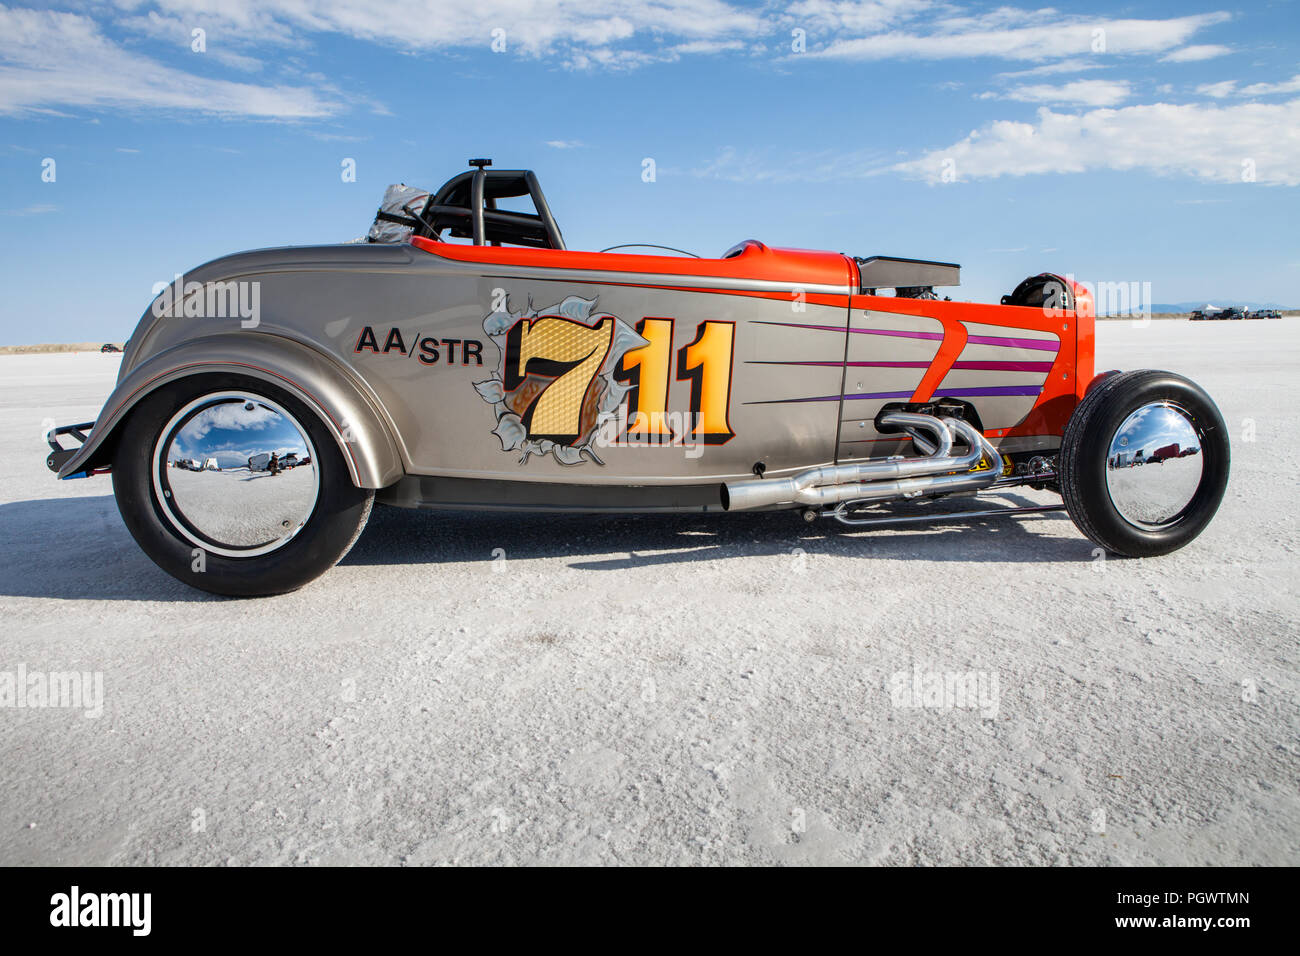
(939, 473)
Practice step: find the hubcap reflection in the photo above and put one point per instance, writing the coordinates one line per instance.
(1154, 465)
(235, 474)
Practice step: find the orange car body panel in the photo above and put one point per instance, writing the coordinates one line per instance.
(755, 262)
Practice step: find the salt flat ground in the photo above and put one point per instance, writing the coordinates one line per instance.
(667, 689)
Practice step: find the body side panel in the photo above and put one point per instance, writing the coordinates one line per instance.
(407, 331)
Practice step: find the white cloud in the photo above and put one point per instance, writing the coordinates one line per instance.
(1077, 65)
(63, 59)
(327, 137)
(855, 16)
(565, 143)
(179, 33)
(50, 60)
(708, 46)
(582, 33)
(1217, 90)
(997, 35)
(1227, 88)
(760, 166)
(1193, 54)
(36, 209)
(611, 59)
(1080, 93)
(228, 418)
(1208, 142)
(1268, 89)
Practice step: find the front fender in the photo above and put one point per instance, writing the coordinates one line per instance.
(355, 419)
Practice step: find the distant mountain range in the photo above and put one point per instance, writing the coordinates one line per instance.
(1158, 307)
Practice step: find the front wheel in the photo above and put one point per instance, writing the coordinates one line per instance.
(193, 484)
(1144, 463)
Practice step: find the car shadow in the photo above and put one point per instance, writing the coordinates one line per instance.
(76, 549)
(399, 536)
(79, 549)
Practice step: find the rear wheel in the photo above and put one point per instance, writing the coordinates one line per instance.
(236, 487)
(1144, 462)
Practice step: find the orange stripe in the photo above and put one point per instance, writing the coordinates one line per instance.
(757, 261)
(954, 340)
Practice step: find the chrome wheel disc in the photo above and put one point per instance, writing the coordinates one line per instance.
(1154, 465)
(235, 474)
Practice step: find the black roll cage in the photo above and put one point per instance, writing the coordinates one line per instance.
(466, 207)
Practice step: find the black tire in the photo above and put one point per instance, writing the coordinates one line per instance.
(1086, 444)
(333, 527)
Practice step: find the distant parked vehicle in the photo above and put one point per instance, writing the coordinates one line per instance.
(1160, 455)
(1212, 314)
(109, 347)
(1264, 314)
(1198, 316)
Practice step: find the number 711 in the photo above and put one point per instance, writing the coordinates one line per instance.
(705, 362)
(570, 354)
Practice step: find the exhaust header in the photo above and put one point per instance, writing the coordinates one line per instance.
(938, 473)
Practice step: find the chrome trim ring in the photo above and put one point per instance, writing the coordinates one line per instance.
(235, 474)
(1154, 465)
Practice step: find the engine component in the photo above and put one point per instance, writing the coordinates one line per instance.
(939, 472)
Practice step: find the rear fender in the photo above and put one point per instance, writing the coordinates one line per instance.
(353, 417)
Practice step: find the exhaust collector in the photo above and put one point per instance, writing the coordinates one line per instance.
(939, 473)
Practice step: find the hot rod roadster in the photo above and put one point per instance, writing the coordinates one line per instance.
(465, 358)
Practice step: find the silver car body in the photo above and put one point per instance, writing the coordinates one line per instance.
(401, 350)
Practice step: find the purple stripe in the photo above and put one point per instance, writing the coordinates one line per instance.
(1004, 366)
(967, 366)
(935, 336)
(797, 325)
(993, 390)
(832, 398)
(852, 364)
(957, 393)
(891, 364)
(1041, 345)
(907, 394)
(835, 398)
(939, 393)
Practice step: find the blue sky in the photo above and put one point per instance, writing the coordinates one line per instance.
(1120, 142)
